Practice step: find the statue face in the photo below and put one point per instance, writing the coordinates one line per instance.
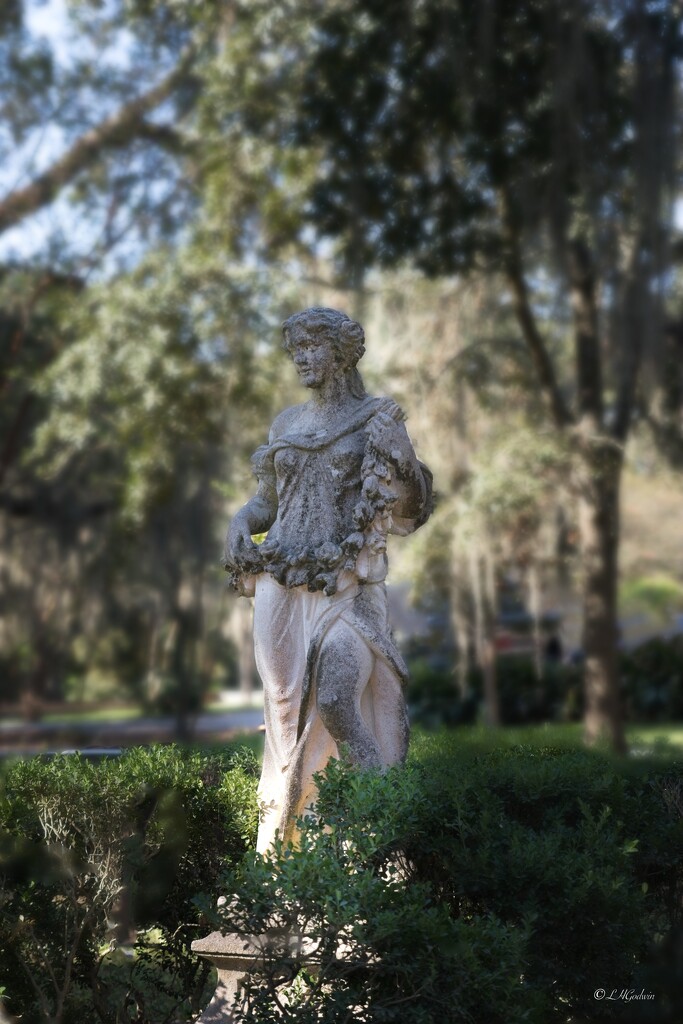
(314, 358)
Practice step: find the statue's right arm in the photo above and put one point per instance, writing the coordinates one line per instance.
(257, 516)
(260, 512)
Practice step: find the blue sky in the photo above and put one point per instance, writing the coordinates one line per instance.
(48, 22)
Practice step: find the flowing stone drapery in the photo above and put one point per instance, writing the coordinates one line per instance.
(291, 628)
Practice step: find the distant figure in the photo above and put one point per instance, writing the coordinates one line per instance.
(553, 650)
(337, 475)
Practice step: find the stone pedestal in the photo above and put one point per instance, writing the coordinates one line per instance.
(235, 956)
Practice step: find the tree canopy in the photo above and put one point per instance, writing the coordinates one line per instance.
(175, 176)
(536, 141)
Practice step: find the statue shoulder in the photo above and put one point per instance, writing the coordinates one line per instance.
(387, 405)
(284, 421)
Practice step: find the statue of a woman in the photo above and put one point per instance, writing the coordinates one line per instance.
(337, 475)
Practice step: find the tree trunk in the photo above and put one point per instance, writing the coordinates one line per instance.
(483, 592)
(534, 589)
(599, 530)
(477, 604)
(462, 639)
(244, 636)
(183, 681)
(492, 703)
(460, 619)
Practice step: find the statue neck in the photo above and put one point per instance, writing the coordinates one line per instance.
(333, 395)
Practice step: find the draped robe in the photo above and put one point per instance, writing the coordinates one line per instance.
(322, 578)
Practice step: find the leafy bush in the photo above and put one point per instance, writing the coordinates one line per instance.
(506, 887)
(99, 863)
(652, 680)
(472, 885)
(433, 696)
(434, 699)
(658, 595)
(524, 698)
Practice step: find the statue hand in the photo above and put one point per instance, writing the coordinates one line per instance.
(240, 549)
(389, 438)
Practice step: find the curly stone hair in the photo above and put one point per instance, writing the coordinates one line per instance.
(345, 335)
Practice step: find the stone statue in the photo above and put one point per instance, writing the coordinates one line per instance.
(337, 475)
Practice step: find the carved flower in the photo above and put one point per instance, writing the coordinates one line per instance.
(363, 514)
(354, 542)
(376, 542)
(371, 486)
(298, 557)
(328, 554)
(326, 581)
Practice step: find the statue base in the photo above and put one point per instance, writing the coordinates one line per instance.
(235, 956)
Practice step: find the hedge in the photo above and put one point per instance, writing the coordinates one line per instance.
(500, 888)
(99, 865)
(469, 886)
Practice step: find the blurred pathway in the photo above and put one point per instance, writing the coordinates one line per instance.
(206, 727)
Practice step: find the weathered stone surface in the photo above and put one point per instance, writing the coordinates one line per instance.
(337, 475)
(235, 956)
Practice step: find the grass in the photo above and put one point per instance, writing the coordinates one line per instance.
(656, 735)
(122, 714)
(665, 739)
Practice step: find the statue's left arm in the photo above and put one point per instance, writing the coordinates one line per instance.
(411, 478)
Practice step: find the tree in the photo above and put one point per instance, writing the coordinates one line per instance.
(95, 164)
(149, 430)
(534, 140)
(123, 391)
(91, 110)
(500, 476)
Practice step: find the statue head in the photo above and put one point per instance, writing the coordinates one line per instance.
(345, 337)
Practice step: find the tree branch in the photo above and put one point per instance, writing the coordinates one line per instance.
(525, 316)
(11, 445)
(163, 135)
(116, 130)
(631, 344)
(587, 340)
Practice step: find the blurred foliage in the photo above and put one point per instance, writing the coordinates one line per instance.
(651, 682)
(415, 132)
(435, 699)
(660, 596)
(652, 679)
(287, 153)
(99, 864)
(97, 101)
(137, 407)
(566, 863)
(115, 468)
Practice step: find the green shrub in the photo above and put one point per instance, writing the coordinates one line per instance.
(652, 680)
(99, 863)
(471, 886)
(433, 696)
(658, 595)
(524, 698)
(434, 699)
(504, 887)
